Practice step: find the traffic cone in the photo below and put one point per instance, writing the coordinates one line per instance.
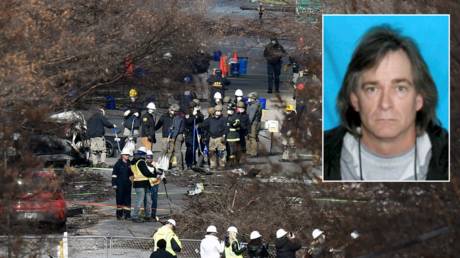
(223, 66)
(235, 57)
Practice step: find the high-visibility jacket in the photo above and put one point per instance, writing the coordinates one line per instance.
(228, 251)
(138, 176)
(166, 233)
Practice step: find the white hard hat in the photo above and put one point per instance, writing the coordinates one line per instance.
(280, 233)
(142, 149)
(232, 229)
(239, 93)
(254, 235)
(149, 153)
(211, 229)
(217, 95)
(167, 55)
(125, 151)
(151, 105)
(316, 233)
(172, 222)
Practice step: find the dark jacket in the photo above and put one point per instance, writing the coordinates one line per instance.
(289, 124)
(165, 123)
(437, 170)
(245, 124)
(131, 121)
(96, 124)
(201, 63)
(189, 123)
(254, 111)
(215, 127)
(256, 249)
(233, 128)
(121, 173)
(178, 126)
(273, 53)
(145, 172)
(161, 253)
(286, 248)
(148, 126)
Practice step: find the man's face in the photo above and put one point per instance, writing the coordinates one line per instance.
(386, 98)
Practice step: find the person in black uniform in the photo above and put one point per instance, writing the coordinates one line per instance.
(192, 119)
(121, 182)
(147, 138)
(245, 124)
(218, 83)
(233, 136)
(216, 127)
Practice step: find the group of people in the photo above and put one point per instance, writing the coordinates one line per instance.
(142, 174)
(229, 130)
(167, 244)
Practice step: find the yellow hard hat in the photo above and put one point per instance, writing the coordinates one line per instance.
(290, 107)
(132, 93)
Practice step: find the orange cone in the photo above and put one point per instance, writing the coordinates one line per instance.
(223, 65)
(235, 57)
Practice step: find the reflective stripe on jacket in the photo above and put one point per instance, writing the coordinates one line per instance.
(138, 176)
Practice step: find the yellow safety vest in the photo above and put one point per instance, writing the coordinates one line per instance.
(167, 234)
(138, 176)
(229, 252)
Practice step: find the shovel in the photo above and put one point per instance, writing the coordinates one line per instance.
(116, 139)
(163, 159)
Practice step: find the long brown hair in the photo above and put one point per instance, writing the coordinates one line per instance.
(376, 44)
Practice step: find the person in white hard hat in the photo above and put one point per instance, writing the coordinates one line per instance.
(238, 96)
(147, 137)
(233, 248)
(256, 247)
(286, 244)
(154, 183)
(210, 246)
(166, 232)
(317, 247)
(121, 183)
(141, 185)
(216, 99)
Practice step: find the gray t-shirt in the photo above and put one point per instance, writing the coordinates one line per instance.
(379, 168)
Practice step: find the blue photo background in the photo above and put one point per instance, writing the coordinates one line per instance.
(342, 34)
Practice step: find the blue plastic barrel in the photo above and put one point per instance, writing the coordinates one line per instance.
(216, 55)
(110, 103)
(235, 69)
(263, 102)
(243, 65)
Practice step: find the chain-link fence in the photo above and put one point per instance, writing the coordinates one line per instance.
(29, 246)
(93, 246)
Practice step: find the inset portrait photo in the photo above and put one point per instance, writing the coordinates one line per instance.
(386, 98)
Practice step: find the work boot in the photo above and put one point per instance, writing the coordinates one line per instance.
(147, 219)
(127, 214)
(119, 214)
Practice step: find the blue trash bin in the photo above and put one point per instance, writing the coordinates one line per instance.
(216, 55)
(110, 103)
(243, 65)
(263, 102)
